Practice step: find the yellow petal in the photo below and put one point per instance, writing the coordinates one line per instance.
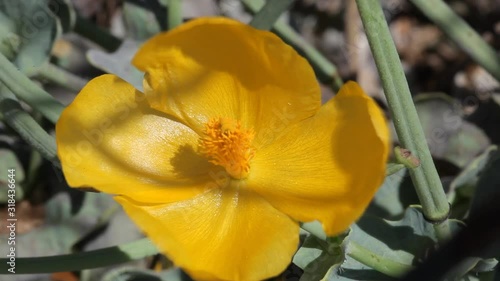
(328, 167)
(218, 67)
(222, 234)
(109, 139)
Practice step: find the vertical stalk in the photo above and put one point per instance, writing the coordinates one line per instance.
(425, 177)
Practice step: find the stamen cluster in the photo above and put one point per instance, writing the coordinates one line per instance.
(227, 144)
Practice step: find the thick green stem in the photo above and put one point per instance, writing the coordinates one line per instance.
(461, 33)
(92, 259)
(27, 127)
(325, 69)
(269, 14)
(28, 91)
(61, 77)
(174, 13)
(443, 231)
(425, 177)
(393, 168)
(376, 261)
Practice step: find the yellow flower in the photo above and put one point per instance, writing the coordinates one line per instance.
(227, 149)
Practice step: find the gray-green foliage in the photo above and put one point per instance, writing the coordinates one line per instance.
(10, 161)
(316, 256)
(449, 136)
(463, 187)
(29, 29)
(135, 274)
(141, 23)
(376, 246)
(118, 62)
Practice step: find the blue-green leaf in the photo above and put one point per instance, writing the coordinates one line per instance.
(36, 29)
(378, 249)
(135, 274)
(316, 256)
(10, 161)
(449, 136)
(462, 188)
(141, 23)
(119, 62)
(394, 196)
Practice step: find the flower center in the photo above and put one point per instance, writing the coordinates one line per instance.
(226, 144)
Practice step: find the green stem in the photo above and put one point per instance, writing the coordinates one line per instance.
(375, 261)
(405, 157)
(461, 33)
(393, 168)
(174, 13)
(325, 69)
(443, 231)
(266, 17)
(74, 262)
(425, 177)
(318, 61)
(61, 77)
(27, 127)
(28, 91)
